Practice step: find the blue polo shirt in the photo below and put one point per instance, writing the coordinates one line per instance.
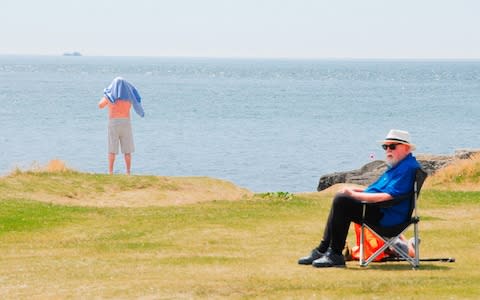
(396, 181)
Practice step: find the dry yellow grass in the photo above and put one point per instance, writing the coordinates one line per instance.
(54, 165)
(57, 165)
(461, 175)
(58, 184)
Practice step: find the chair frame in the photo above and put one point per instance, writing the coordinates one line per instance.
(390, 234)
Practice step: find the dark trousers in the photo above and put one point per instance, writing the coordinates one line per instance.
(343, 211)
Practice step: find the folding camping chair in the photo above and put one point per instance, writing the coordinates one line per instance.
(390, 234)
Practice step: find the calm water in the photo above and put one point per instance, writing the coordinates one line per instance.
(268, 125)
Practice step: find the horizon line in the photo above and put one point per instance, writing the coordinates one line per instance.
(248, 57)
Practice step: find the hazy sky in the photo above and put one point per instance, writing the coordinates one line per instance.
(243, 28)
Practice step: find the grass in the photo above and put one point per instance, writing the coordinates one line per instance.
(461, 175)
(27, 216)
(68, 187)
(242, 249)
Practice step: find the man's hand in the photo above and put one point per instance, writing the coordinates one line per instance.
(347, 191)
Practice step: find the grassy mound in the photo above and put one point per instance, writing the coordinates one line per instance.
(56, 183)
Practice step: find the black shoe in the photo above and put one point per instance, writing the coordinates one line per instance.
(330, 259)
(307, 260)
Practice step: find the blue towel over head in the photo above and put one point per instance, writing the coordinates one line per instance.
(122, 89)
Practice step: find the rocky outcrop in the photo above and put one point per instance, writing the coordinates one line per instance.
(371, 171)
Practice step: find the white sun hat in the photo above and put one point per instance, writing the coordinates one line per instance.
(399, 136)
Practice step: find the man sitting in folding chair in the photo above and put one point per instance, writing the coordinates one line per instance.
(347, 205)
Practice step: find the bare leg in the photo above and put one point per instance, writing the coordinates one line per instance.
(128, 162)
(111, 161)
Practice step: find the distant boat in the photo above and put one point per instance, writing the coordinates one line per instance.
(72, 54)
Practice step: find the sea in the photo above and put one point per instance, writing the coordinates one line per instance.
(267, 125)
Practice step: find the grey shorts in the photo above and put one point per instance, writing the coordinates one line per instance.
(120, 134)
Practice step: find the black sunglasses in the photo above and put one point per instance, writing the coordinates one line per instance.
(390, 146)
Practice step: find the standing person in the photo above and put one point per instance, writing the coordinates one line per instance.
(347, 207)
(119, 96)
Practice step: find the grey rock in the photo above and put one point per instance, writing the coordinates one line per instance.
(371, 171)
(363, 176)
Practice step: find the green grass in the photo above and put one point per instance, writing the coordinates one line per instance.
(220, 249)
(450, 198)
(24, 215)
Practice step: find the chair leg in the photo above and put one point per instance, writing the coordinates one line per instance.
(417, 246)
(362, 246)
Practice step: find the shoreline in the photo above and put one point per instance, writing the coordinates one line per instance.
(55, 183)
